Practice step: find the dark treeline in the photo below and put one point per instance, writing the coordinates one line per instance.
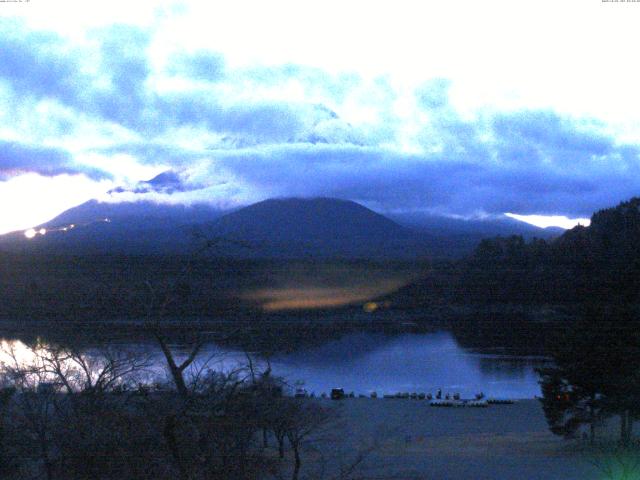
(599, 263)
(115, 287)
(595, 273)
(595, 373)
(68, 287)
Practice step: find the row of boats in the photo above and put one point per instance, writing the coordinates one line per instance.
(448, 400)
(471, 402)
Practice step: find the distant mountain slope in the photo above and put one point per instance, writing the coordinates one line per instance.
(317, 219)
(123, 228)
(455, 238)
(276, 228)
(474, 228)
(136, 214)
(317, 227)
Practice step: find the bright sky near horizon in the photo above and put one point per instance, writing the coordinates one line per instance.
(460, 108)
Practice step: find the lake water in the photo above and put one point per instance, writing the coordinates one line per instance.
(366, 362)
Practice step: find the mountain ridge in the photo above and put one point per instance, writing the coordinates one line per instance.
(290, 227)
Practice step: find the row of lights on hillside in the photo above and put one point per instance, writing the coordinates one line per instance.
(32, 232)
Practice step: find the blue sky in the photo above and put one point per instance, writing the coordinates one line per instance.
(470, 109)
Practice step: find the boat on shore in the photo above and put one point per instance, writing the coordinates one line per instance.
(459, 403)
(500, 401)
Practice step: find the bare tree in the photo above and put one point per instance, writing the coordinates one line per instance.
(162, 299)
(72, 368)
(300, 419)
(35, 408)
(7, 460)
(63, 393)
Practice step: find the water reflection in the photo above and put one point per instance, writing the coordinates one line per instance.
(71, 368)
(366, 362)
(413, 363)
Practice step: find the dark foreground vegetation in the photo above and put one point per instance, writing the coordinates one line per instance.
(67, 415)
(595, 375)
(594, 384)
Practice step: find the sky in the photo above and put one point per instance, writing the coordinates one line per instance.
(467, 109)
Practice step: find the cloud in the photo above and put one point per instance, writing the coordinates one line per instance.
(16, 157)
(368, 174)
(256, 122)
(107, 82)
(434, 94)
(200, 65)
(542, 179)
(110, 81)
(545, 134)
(39, 63)
(165, 183)
(124, 65)
(255, 132)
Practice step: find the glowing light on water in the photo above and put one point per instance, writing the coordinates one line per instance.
(370, 307)
(309, 297)
(41, 362)
(15, 350)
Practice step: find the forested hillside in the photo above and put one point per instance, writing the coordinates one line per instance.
(599, 263)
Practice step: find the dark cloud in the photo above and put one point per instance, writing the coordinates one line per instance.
(44, 65)
(253, 123)
(153, 152)
(17, 157)
(454, 181)
(39, 64)
(544, 134)
(167, 183)
(360, 173)
(523, 167)
(124, 63)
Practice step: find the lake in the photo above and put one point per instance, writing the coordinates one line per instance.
(363, 362)
(366, 362)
